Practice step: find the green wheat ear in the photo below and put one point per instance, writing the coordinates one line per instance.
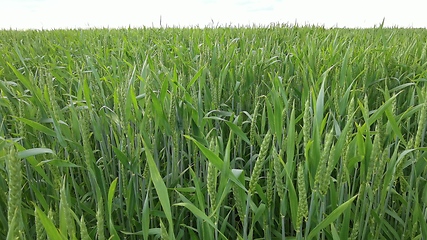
(211, 185)
(212, 178)
(421, 122)
(265, 146)
(83, 230)
(278, 178)
(270, 188)
(65, 213)
(324, 184)
(252, 132)
(375, 155)
(355, 231)
(100, 226)
(302, 211)
(15, 194)
(306, 123)
(239, 203)
(52, 216)
(321, 173)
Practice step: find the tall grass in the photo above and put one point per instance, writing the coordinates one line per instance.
(228, 133)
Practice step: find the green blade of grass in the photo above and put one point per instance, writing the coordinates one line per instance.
(331, 217)
(199, 214)
(111, 191)
(216, 161)
(238, 131)
(160, 187)
(33, 152)
(37, 126)
(50, 228)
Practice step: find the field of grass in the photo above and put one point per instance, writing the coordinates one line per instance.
(226, 133)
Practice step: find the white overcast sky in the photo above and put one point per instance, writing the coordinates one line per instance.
(48, 14)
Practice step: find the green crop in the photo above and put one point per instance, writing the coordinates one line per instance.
(272, 132)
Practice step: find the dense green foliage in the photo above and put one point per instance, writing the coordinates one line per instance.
(227, 133)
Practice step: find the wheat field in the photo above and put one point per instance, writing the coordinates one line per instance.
(279, 132)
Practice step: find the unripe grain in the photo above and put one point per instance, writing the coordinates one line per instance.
(321, 173)
(84, 234)
(379, 170)
(212, 178)
(53, 102)
(346, 155)
(21, 130)
(306, 123)
(376, 149)
(302, 198)
(52, 216)
(415, 229)
(366, 105)
(269, 186)
(211, 185)
(265, 146)
(214, 93)
(337, 96)
(100, 220)
(56, 177)
(85, 134)
(421, 123)
(15, 194)
(253, 125)
(355, 231)
(278, 168)
(146, 171)
(324, 184)
(64, 209)
(239, 203)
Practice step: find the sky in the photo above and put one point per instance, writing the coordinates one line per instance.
(54, 14)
